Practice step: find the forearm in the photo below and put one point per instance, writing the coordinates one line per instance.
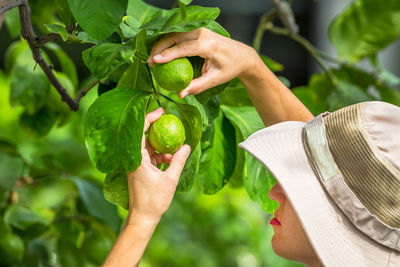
(131, 244)
(273, 100)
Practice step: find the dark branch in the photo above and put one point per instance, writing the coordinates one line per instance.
(5, 8)
(286, 15)
(84, 91)
(34, 43)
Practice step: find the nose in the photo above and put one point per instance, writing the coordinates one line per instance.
(276, 193)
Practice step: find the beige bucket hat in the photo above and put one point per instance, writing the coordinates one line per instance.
(341, 172)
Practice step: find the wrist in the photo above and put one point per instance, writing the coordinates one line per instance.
(254, 69)
(136, 218)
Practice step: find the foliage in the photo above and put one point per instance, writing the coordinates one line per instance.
(51, 192)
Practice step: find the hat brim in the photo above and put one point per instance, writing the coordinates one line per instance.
(334, 238)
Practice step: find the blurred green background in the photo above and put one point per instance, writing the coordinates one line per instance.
(225, 229)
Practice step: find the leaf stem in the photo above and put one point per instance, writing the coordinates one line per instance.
(153, 87)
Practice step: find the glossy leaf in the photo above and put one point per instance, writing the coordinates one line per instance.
(136, 76)
(59, 29)
(365, 27)
(114, 128)
(115, 189)
(140, 10)
(96, 205)
(217, 161)
(256, 178)
(99, 18)
(104, 58)
(235, 94)
(189, 172)
(165, 21)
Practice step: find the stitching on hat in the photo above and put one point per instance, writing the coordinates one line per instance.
(391, 253)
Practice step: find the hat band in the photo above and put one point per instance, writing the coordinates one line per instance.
(331, 178)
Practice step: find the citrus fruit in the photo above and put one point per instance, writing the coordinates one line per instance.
(11, 249)
(174, 75)
(167, 134)
(96, 246)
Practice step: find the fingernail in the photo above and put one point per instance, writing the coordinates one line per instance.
(186, 149)
(183, 94)
(157, 57)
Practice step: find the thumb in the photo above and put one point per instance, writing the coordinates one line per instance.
(204, 82)
(178, 162)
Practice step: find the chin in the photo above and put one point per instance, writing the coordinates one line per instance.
(279, 248)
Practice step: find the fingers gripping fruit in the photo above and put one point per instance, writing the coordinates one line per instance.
(167, 134)
(174, 75)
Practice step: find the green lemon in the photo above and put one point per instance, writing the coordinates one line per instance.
(11, 249)
(167, 134)
(174, 75)
(96, 246)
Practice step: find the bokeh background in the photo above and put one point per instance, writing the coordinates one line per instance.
(226, 229)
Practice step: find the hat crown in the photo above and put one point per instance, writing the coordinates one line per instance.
(382, 123)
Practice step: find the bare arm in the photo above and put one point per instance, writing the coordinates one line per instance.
(226, 59)
(150, 194)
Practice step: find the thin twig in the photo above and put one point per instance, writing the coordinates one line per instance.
(286, 15)
(54, 36)
(5, 8)
(307, 45)
(85, 90)
(266, 18)
(29, 35)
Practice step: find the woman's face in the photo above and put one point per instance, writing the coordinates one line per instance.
(289, 240)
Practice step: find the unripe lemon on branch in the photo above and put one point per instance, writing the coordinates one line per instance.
(174, 75)
(167, 134)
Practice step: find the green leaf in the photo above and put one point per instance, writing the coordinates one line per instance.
(191, 119)
(235, 94)
(217, 28)
(346, 94)
(11, 168)
(21, 217)
(29, 88)
(190, 171)
(136, 76)
(390, 95)
(104, 58)
(66, 63)
(258, 182)
(115, 189)
(271, 64)
(13, 23)
(59, 29)
(38, 123)
(237, 175)
(256, 178)
(185, 2)
(113, 130)
(310, 99)
(165, 21)
(99, 18)
(365, 27)
(129, 26)
(46, 193)
(208, 111)
(217, 161)
(140, 10)
(64, 12)
(96, 205)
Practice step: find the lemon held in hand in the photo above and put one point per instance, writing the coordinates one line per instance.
(167, 134)
(174, 75)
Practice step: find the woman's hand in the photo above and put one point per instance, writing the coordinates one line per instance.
(150, 189)
(225, 58)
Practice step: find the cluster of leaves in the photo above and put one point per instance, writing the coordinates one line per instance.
(358, 33)
(45, 212)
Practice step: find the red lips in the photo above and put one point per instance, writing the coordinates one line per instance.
(275, 222)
